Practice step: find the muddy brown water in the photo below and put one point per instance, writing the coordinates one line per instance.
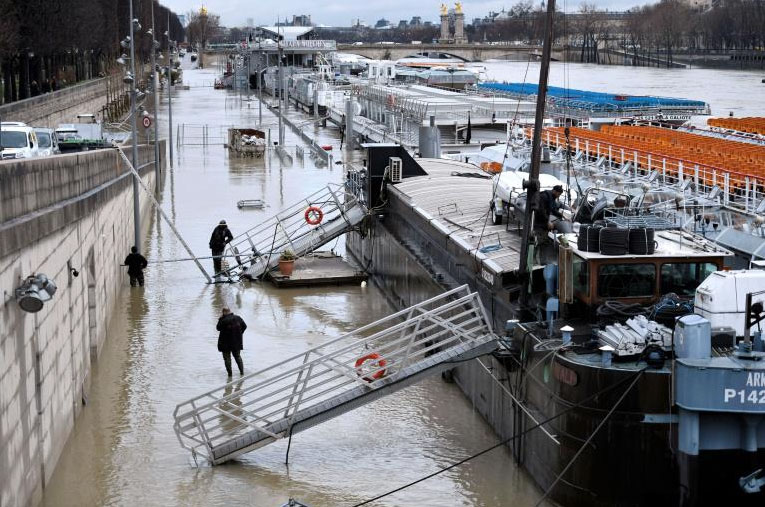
(161, 350)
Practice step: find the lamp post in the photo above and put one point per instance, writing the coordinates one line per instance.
(169, 91)
(260, 84)
(155, 85)
(134, 25)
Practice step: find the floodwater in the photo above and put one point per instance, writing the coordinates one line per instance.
(161, 350)
(739, 91)
(161, 347)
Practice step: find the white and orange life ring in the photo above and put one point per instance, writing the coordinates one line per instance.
(369, 363)
(314, 215)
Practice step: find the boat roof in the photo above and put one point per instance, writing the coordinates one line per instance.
(669, 243)
(287, 32)
(454, 197)
(569, 97)
(458, 205)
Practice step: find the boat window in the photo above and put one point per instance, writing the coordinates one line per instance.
(684, 278)
(626, 280)
(581, 272)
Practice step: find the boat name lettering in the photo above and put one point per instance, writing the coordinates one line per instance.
(744, 396)
(487, 276)
(755, 379)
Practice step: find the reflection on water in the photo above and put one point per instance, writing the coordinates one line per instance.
(161, 350)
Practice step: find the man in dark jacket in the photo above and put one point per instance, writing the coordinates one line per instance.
(548, 205)
(220, 236)
(136, 263)
(231, 327)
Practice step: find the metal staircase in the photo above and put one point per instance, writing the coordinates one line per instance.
(257, 250)
(333, 378)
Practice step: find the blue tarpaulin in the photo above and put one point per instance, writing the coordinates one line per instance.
(596, 101)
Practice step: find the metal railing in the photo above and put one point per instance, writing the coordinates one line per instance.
(261, 246)
(268, 402)
(731, 189)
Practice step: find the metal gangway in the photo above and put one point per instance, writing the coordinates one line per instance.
(257, 250)
(335, 377)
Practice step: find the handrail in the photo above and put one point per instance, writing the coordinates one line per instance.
(288, 229)
(263, 405)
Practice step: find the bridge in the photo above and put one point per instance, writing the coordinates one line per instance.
(473, 52)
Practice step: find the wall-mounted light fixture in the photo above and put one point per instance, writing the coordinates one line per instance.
(34, 292)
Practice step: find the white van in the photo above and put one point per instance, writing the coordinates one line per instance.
(47, 141)
(18, 140)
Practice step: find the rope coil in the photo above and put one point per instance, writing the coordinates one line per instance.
(614, 241)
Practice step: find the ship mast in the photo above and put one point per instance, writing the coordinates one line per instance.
(532, 185)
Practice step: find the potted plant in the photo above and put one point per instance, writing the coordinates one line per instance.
(287, 262)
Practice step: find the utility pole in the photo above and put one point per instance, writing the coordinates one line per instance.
(155, 84)
(169, 90)
(532, 185)
(134, 128)
(280, 88)
(260, 85)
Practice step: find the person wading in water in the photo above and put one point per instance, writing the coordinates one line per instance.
(221, 235)
(231, 327)
(136, 263)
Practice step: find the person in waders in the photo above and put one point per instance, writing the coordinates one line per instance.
(231, 327)
(221, 235)
(136, 263)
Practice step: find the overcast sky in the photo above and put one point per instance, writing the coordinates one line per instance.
(342, 12)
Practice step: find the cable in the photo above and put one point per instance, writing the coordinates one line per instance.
(516, 436)
(589, 439)
(504, 160)
(614, 310)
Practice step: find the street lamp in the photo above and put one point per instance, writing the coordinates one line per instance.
(155, 85)
(169, 90)
(129, 79)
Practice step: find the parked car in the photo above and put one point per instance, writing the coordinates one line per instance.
(48, 142)
(18, 140)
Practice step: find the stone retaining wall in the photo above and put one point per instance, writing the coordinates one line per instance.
(61, 106)
(57, 213)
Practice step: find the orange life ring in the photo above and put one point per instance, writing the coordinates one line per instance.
(314, 215)
(379, 366)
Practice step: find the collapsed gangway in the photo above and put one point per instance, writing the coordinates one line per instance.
(257, 250)
(336, 377)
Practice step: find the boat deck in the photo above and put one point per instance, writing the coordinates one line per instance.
(458, 205)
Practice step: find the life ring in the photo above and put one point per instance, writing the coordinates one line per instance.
(314, 215)
(379, 365)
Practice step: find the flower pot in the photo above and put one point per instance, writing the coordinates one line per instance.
(286, 267)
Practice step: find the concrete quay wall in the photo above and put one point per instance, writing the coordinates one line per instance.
(61, 106)
(404, 264)
(56, 213)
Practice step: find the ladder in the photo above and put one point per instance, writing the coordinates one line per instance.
(258, 249)
(335, 377)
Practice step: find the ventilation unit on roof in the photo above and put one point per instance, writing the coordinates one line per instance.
(395, 170)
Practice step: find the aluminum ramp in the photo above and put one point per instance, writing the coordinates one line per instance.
(257, 250)
(325, 382)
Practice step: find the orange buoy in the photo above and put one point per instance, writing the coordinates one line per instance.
(314, 215)
(378, 363)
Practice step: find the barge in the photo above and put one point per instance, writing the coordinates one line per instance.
(659, 439)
